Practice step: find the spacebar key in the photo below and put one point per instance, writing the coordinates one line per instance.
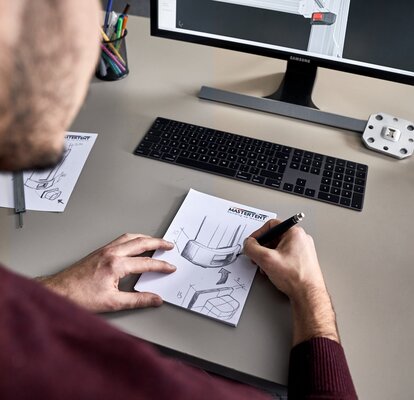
(205, 166)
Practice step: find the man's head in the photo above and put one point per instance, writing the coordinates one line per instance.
(48, 50)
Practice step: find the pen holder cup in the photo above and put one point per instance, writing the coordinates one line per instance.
(113, 61)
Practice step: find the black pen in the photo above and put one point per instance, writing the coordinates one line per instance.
(19, 201)
(280, 229)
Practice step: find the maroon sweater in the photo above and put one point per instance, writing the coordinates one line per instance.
(52, 349)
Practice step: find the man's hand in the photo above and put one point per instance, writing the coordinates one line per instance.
(93, 281)
(292, 266)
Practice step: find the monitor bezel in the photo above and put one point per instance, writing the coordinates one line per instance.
(277, 54)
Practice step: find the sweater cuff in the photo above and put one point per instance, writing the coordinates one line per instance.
(318, 369)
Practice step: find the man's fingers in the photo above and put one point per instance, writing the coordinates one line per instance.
(139, 265)
(126, 237)
(129, 300)
(267, 226)
(141, 245)
(262, 256)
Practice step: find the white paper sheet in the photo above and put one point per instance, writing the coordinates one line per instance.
(49, 190)
(211, 279)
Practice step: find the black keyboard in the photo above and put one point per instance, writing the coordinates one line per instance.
(304, 173)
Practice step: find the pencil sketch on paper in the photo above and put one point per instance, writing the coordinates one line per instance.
(212, 278)
(214, 246)
(216, 302)
(44, 183)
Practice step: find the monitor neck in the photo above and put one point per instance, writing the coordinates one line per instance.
(292, 99)
(297, 84)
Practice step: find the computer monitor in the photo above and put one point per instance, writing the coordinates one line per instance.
(365, 37)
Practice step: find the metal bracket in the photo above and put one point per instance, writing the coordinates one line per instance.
(389, 135)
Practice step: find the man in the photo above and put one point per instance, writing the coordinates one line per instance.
(52, 348)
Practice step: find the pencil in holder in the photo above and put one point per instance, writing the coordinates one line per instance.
(113, 61)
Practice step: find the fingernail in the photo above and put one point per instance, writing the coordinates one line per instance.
(156, 301)
(172, 267)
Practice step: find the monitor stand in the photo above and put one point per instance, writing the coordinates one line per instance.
(292, 99)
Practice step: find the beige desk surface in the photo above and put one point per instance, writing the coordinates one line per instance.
(366, 257)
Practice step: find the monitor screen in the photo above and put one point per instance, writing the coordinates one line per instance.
(365, 37)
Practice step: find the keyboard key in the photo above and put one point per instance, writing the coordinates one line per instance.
(156, 154)
(294, 165)
(327, 174)
(358, 189)
(143, 151)
(301, 182)
(346, 193)
(273, 175)
(361, 175)
(326, 181)
(335, 190)
(324, 188)
(328, 197)
(244, 176)
(258, 179)
(152, 139)
(315, 171)
(345, 201)
(359, 181)
(299, 189)
(304, 168)
(272, 183)
(288, 187)
(337, 183)
(357, 200)
(310, 192)
(169, 157)
(206, 166)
